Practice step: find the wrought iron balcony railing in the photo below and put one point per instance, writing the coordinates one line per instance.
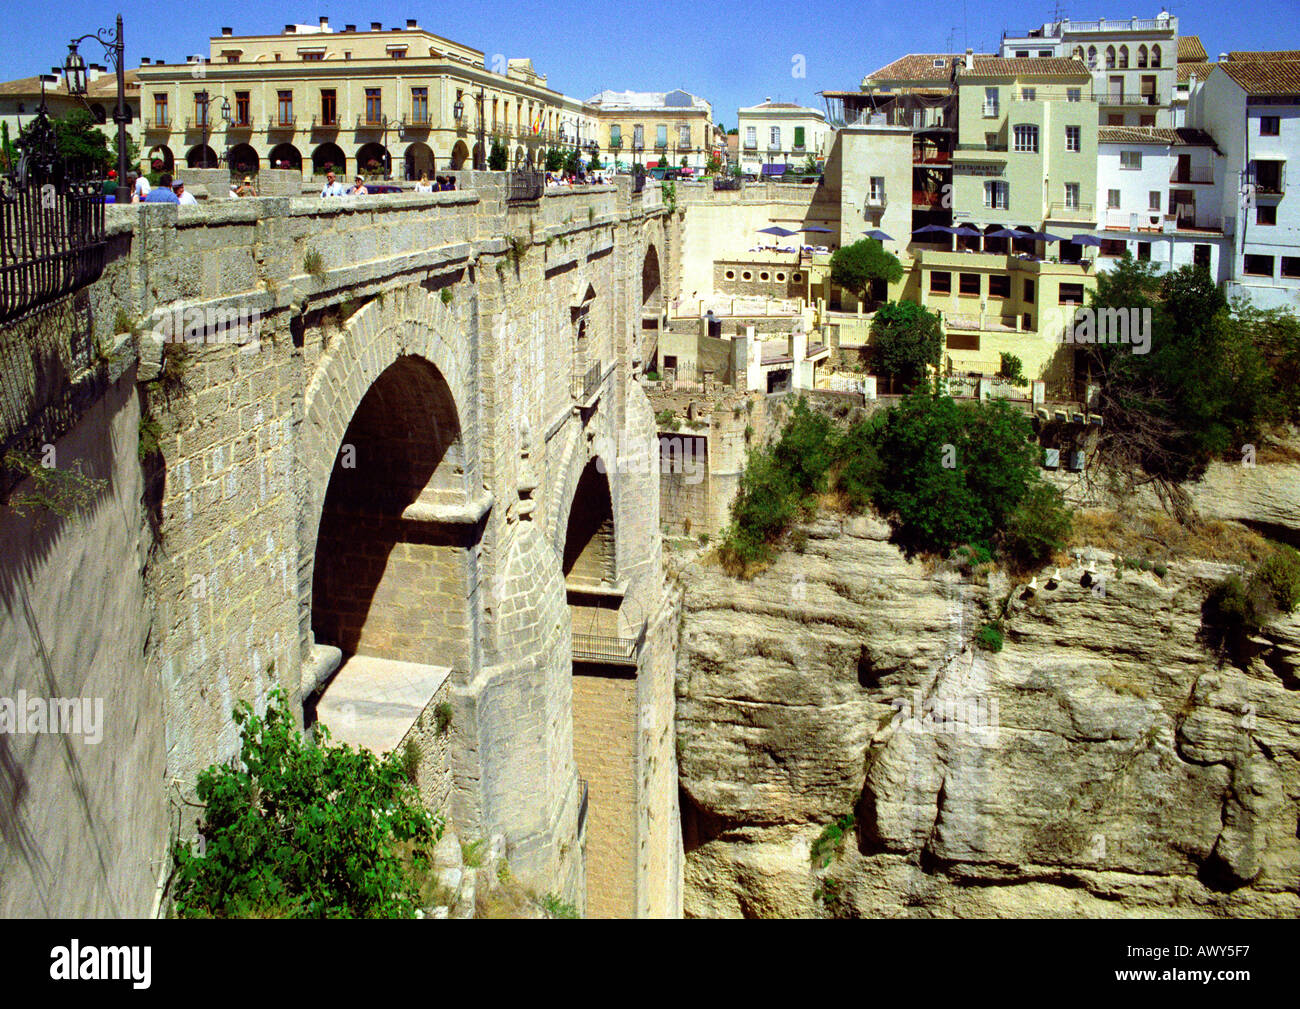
(325, 122)
(525, 185)
(282, 123)
(586, 387)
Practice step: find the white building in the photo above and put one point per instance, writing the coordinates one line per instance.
(1132, 62)
(1160, 191)
(779, 134)
(1252, 108)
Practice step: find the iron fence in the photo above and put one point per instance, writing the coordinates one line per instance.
(723, 184)
(526, 184)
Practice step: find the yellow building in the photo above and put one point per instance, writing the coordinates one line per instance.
(651, 128)
(394, 102)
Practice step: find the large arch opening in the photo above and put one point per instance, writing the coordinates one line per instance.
(652, 300)
(244, 160)
(418, 160)
(390, 584)
(373, 161)
(459, 155)
(604, 696)
(328, 158)
(285, 156)
(163, 154)
(201, 156)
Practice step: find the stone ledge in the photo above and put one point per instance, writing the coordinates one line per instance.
(373, 702)
(469, 513)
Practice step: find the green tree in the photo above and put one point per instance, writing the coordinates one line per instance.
(1011, 368)
(856, 267)
(497, 157)
(714, 166)
(908, 340)
(810, 167)
(8, 155)
(954, 472)
(554, 160)
(594, 164)
(78, 141)
(572, 162)
(303, 829)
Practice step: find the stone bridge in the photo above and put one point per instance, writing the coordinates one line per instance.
(400, 468)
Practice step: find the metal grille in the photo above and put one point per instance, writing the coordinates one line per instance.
(608, 650)
(720, 184)
(526, 185)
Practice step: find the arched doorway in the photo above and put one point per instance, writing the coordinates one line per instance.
(651, 305)
(243, 160)
(519, 157)
(200, 156)
(373, 161)
(459, 155)
(285, 156)
(480, 158)
(328, 158)
(384, 566)
(163, 155)
(604, 695)
(419, 159)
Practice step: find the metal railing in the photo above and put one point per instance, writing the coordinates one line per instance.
(282, 123)
(1131, 98)
(322, 122)
(724, 184)
(638, 183)
(1193, 178)
(154, 125)
(1072, 210)
(589, 384)
(525, 184)
(608, 650)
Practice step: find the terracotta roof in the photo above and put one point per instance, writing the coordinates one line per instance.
(1183, 72)
(1183, 136)
(918, 67)
(1190, 49)
(1265, 77)
(1055, 66)
(105, 85)
(1244, 56)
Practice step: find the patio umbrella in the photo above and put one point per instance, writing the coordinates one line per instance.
(878, 235)
(965, 231)
(824, 231)
(1086, 240)
(933, 229)
(777, 230)
(1043, 236)
(1005, 233)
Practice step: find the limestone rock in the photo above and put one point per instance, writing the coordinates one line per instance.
(1102, 763)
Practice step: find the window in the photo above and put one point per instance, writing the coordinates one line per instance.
(780, 278)
(615, 135)
(1290, 266)
(1201, 257)
(1144, 252)
(419, 105)
(1110, 57)
(1130, 160)
(683, 136)
(1073, 141)
(1072, 196)
(1073, 94)
(232, 57)
(746, 276)
(1123, 57)
(940, 282)
(661, 136)
(201, 108)
(284, 106)
(763, 276)
(638, 137)
(1114, 119)
(996, 194)
(1029, 290)
(1266, 214)
(798, 277)
(877, 189)
(731, 274)
(1070, 294)
(999, 285)
(1044, 53)
(1026, 139)
(1142, 57)
(1112, 199)
(990, 102)
(242, 115)
(1153, 201)
(313, 56)
(1028, 94)
(374, 105)
(329, 114)
(968, 283)
(397, 54)
(1266, 175)
(774, 138)
(1092, 57)
(751, 137)
(1146, 120)
(991, 142)
(1022, 54)
(1270, 126)
(1155, 56)
(160, 110)
(1258, 266)
(798, 138)
(1112, 248)
(940, 63)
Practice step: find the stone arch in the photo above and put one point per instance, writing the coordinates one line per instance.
(329, 154)
(459, 155)
(201, 156)
(285, 156)
(407, 323)
(418, 159)
(163, 153)
(243, 159)
(373, 159)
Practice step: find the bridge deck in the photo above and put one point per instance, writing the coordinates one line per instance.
(373, 702)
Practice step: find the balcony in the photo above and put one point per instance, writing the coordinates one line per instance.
(325, 122)
(163, 124)
(525, 185)
(586, 389)
(198, 124)
(1269, 177)
(242, 123)
(1196, 177)
(377, 122)
(992, 111)
(1071, 212)
(282, 123)
(418, 120)
(751, 145)
(612, 651)
(1142, 99)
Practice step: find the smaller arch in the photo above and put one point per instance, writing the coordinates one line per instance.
(97, 113)
(1123, 57)
(1155, 55)
(201, 156)
(162, 153)
(419, 160)
(1142, 57)
(373, 159)
(1092, 57)
(243, 159)
(459, 155)
(285, 156)
(328, 157)
(1110, 57)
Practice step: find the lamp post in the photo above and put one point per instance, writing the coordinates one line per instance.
(480, 159)
(74, 71)
(226, 118)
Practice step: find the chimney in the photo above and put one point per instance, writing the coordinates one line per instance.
(159, 63)
(227, 32)
(144, 61)
(970, 59)
(349, 28)
(376, 26)
(410, 24)
(289, 29)
(1223, 57)
(324, 23)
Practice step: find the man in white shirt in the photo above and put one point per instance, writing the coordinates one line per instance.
(182, 197)
(141, 188)
(332, 186)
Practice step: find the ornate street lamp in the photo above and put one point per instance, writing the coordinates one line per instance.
(74, 70)
(458, 111)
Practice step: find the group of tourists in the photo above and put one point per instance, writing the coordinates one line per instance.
(440, 184)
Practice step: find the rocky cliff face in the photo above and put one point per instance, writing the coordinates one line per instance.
(1103, 763)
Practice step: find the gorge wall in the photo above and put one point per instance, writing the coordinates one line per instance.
(1104, 763)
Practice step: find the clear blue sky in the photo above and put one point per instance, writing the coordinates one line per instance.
(732, 53)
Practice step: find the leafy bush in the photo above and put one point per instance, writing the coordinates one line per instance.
(666, 420)
(763, 508)
(989, 638)
(806, 447)
(856, 267)
(303, 829)
(831, 840)
(1012, 369)
(1037, 528)
(1278, 578)
(859, 472)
